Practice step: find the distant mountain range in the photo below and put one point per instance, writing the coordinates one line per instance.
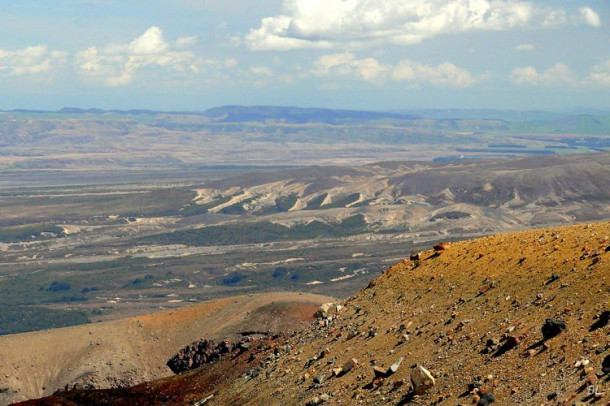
(238, 113)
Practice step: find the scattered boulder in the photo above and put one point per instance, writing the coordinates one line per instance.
(441, 246)
(415, 256)
(325, 310)
(491, 345)
(421, 379)
(606, 365)
(349, 365)
(379, 372)
(204, 352)
(252, 373)
(510, 342)
(552, 328)
(384, 373)
(318, 400)
(486, 399)
(602, 321)
(314, 401)
(552, 279)
(394, 367)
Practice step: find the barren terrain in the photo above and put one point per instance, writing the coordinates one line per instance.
(471, 313)
(130, 351)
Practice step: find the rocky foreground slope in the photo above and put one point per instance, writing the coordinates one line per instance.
(515, 319)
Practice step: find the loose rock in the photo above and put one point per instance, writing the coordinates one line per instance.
(552, 328)
(394, 367)
(486, 399)
(421, 379)
(606, 365)
(349, 365)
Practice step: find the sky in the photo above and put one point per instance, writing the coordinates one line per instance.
(356, 54)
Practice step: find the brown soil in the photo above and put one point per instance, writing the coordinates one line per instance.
(439, 312)
(134, 350)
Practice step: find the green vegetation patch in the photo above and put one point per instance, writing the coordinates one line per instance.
(30, 233)
(286, 203)
(21, 319)
(450, 215)
(316, 202)
(237, 208)
(260, 232)
(344, 201)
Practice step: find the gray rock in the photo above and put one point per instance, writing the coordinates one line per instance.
(486, 399)
(552, 328)
(349, 365)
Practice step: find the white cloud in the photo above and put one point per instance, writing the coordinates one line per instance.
(118, 64)
(346, 66)
(31, 61)
(590, 17)
(524, 47)
(185, 42)
(443, 75)
(325, 24)
(556, 74)
(261, 71)
(230, 63)
(600, 74)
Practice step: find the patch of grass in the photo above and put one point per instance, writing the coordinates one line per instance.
(30, 232)
(450, 215)
(237, 208)
(316, 202)
(21, 319)
(286, 203)
(260, 232)
(344, 201)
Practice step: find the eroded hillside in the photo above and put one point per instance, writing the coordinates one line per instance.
(129, 351)
(110, 251)
(471, 314)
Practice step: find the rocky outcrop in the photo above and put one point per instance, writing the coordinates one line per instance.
(204, 352)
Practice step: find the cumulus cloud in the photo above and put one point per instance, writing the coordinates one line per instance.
(443, 75)
(347, 66)
(600, 74)
(524, 47)
(32, 60)
(261, 71)
(556, 74)
(590, 17)
(324, 24)
(118, 64)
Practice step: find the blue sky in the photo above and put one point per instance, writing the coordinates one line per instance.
(363, 54)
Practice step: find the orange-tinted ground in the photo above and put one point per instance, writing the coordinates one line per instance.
(130, 351)
(439, 312)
